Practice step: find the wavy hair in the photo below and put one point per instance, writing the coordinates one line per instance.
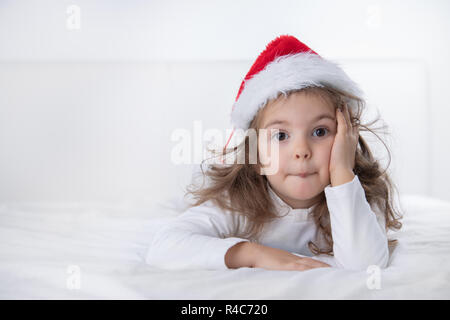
(240, 188)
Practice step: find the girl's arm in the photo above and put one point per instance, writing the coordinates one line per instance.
(197, 239)
(254, 255)
(359, 238)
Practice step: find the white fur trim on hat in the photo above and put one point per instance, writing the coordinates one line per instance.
(287, 73)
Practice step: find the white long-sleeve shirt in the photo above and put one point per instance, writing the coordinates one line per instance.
(200, 237)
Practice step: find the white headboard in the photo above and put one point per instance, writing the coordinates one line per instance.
(102, 131)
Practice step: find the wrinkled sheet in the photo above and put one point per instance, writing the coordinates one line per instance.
(87, 251)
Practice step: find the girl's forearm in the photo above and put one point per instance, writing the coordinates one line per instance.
(240, 255)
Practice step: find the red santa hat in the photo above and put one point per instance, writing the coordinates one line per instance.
(286, 64)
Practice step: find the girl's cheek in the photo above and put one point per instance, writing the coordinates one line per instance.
(327, 154)
(267, 147)
(271, 154)
(323, 153)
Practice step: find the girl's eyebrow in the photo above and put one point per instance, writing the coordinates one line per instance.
(276, 122)
(319, 117)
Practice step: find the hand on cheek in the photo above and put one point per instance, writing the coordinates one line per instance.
(343, 151)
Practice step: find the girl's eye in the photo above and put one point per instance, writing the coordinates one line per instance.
(320, 131)
(280, 136)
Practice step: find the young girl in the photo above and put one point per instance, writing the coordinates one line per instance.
(327, 203)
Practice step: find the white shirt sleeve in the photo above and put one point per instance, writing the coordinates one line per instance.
(197, 239)
(359, 234)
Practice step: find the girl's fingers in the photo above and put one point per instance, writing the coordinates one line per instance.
(320, 264)
(308, 263)
(346, 113)
(315, 263)
(356, 130)
(354, 127)
(308, 267)
(341, 125)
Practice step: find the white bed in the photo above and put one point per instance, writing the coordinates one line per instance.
(83, 121)
(87, 251)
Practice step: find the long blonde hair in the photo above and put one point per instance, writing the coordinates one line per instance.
(240, 188)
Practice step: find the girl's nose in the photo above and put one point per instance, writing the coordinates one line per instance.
(299, 155)
(302, 151)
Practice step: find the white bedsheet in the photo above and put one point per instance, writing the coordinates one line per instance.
(41, 243)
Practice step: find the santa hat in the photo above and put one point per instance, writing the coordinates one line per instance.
(286, 64)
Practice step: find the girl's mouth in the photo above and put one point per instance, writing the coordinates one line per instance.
(304, 174)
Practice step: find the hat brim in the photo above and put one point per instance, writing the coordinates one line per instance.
(286, 73)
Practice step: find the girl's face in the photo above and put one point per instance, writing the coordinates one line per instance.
(304, 126)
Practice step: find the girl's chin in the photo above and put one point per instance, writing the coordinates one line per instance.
(302, 196)
(304, 190)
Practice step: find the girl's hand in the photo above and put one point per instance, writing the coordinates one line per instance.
(253, 255)
(343, 152)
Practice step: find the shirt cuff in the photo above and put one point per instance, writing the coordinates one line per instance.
(218, 250)
(342, 189)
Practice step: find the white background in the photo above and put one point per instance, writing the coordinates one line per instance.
(87, 114)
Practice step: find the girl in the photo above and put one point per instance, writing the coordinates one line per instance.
(327, 203)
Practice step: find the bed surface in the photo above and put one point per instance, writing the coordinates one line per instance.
(96, 251)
